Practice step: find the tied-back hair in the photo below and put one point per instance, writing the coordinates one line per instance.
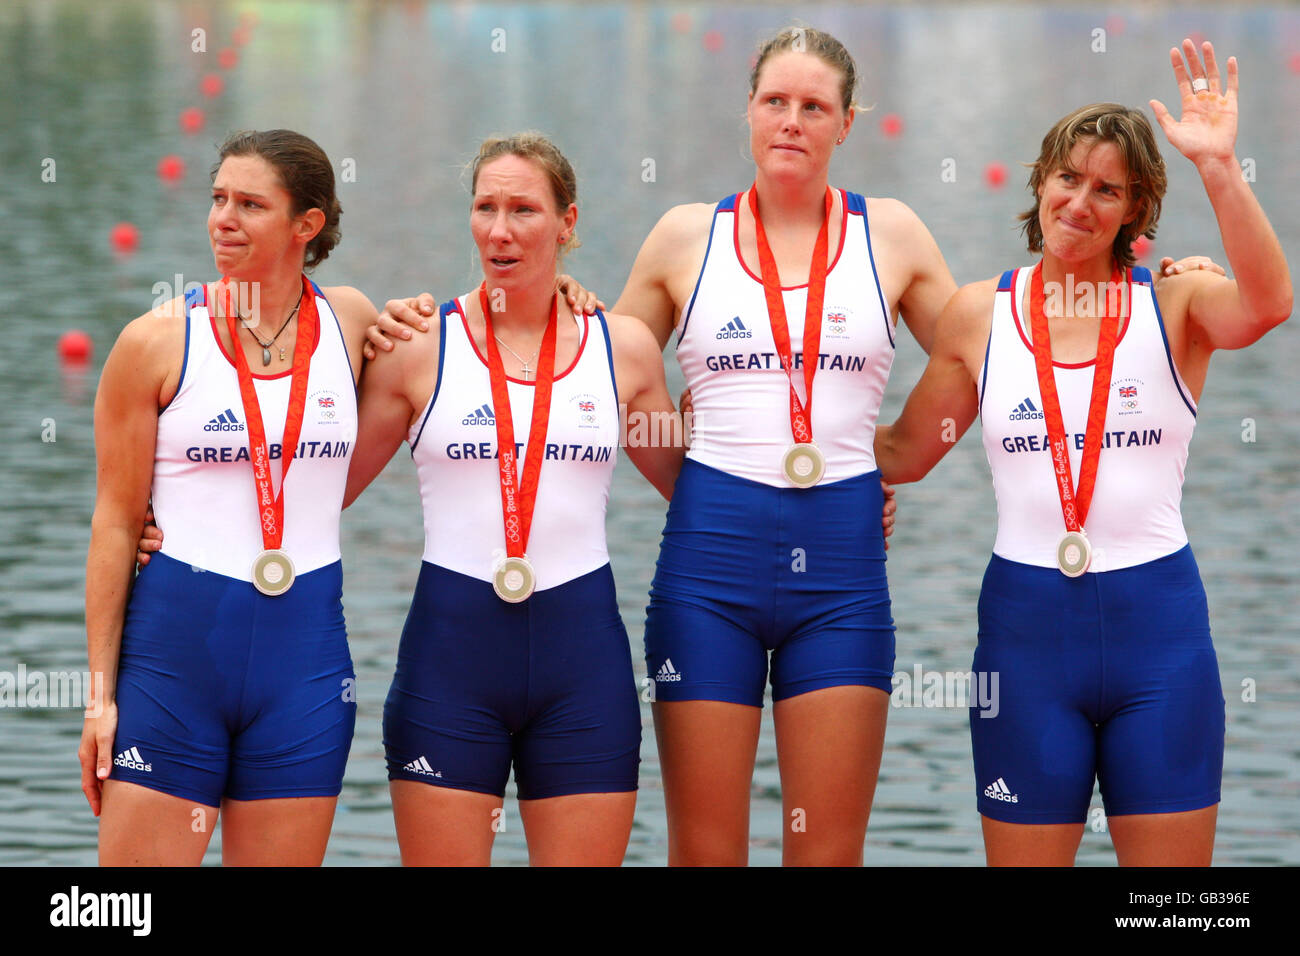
(306, 174)
(536, 148)
(819, 43)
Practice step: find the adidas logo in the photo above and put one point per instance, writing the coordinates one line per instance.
(998, 790)
(668, 672)
(480, 416)
(131, 760)
(225, 422)
(1025, 411)
(421, 766)
(735, 329)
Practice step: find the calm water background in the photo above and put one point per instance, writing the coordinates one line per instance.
(406, 91)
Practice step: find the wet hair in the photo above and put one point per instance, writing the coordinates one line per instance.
(304, 171)
(535, 147)
(1130, 131)
(818, 43)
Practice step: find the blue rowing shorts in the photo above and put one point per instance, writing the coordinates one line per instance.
(223, 692)
(1110, 676)
(746, 569)
(546, 684)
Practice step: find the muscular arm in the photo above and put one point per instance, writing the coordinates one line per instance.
(911, 265)
(652, 427)
(665, 269)
(139, 376)
(385, 409)
(1221, 313)
(382, 407)
(356, 313)
(1234, 313)
(944, 402)
(131, 391)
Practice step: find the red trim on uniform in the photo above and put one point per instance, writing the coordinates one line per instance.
(844, 228)
(212, 321)
(586, 327)
(1015, 315)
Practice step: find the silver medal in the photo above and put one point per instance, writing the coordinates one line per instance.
(273, 572)
(514, 580)
(804, 464)
(1074, 553)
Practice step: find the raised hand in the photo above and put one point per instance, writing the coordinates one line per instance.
(1207, 130)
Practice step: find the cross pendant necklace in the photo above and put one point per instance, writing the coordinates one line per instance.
(523, 361)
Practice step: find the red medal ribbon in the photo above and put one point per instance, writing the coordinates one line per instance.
(800, 412)
(270, 505)
(1074, 504)
(519, 492)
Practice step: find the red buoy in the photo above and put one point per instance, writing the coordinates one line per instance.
(891, 124)
(227, 57)
(124, 237)
(171, 168)
(713, 41)
(75, 347)
(681, 21)
(1141, 248)
(995, 175)
(212, 85)
(191, 119)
